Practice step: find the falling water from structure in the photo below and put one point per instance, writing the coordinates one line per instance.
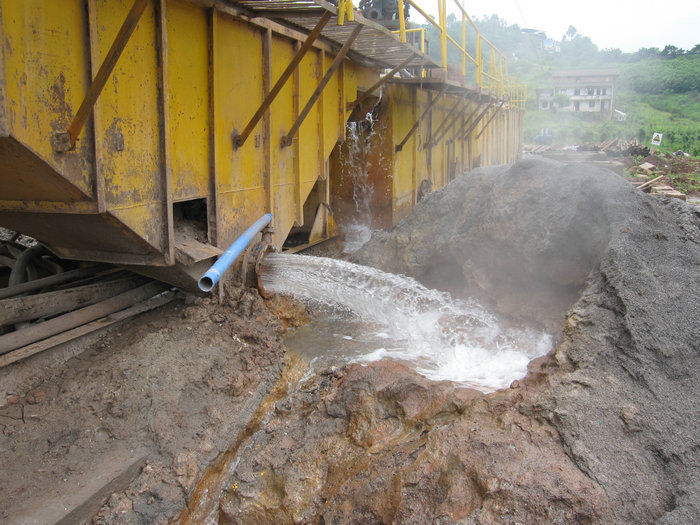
(368, 315)
(355, 165)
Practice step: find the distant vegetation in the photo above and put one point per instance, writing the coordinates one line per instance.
(658, 89)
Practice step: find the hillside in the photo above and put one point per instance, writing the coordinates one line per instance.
(659, 90)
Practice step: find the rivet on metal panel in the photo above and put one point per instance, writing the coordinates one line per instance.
(60, 142)
(118, 141)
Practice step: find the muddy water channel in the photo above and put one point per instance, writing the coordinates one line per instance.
(362, 315)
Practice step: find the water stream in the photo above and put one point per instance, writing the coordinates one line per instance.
(363, 314)
(356, 166)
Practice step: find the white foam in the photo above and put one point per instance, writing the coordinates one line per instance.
(442, 338)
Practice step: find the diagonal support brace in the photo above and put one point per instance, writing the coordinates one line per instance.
(62, 142)
(491, 118)
(287, 139)
(379, 83)
(400, 146)
(239, 139)
(451, 117)
(476, 122)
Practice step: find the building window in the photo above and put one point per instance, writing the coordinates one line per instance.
(591, 103)
(602, 105)
(577, 92)
(604, 91)
(576, 105)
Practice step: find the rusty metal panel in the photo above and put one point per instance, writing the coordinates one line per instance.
(46, 75)
(188, 79)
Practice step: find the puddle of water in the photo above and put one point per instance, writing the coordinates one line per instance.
(362, 314)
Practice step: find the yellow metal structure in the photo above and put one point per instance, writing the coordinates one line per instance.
(156, 180)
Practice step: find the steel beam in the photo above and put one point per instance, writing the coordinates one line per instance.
(287, 139)
(62, 142)
(400, 146)
(476, 121)
(491, 118)
(453, 115)
(379, 83)
(239, 139)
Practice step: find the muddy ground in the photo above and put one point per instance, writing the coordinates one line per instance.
(195, 413)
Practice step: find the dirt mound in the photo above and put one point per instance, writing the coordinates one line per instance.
(521, 238)
(623, 390)
(603, 429)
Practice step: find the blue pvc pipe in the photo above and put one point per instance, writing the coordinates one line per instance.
(213, 274)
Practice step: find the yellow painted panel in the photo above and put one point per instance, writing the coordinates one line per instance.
(308, 132)
(237, 94)
(188, 78)
(46, 59)
(239, 209)
(130, 109)
(282, 161)
(403, 118)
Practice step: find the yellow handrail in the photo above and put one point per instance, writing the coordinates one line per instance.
(491, 67)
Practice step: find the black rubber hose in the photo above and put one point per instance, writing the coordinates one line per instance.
(19, 272)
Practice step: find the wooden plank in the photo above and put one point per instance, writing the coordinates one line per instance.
(190, 251)
(34, 333)
(52, 280)
(650, 182)
(22, 309)
(69, 335)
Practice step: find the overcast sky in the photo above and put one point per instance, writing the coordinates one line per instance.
(624, 24)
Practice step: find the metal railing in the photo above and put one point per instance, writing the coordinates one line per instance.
(488, 64)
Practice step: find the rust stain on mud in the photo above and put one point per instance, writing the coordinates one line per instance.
(204, 500)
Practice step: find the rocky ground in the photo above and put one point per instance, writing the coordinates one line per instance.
(218, 425)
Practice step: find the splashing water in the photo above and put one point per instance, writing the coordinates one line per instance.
(369, 315)
(355, 165)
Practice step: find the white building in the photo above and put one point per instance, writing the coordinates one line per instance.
(585, 90)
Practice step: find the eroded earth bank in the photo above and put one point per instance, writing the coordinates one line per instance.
(222, 425)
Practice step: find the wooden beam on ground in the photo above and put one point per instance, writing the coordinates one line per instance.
(22, 309)
(37, 332)
(52, 280)
(69, 335)
(649, 182)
